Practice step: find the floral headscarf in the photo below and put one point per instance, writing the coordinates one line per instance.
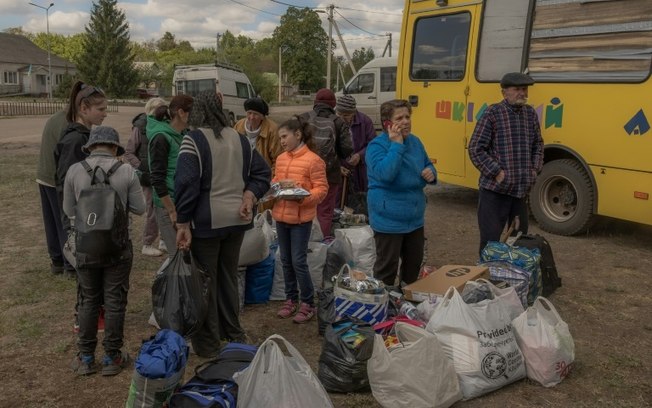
(207, 112)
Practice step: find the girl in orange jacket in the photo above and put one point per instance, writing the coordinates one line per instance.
(294, 218)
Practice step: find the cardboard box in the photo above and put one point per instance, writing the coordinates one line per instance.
(438, 282)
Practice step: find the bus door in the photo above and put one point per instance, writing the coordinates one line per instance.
(435, 80)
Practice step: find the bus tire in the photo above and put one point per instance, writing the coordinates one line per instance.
(562, 199)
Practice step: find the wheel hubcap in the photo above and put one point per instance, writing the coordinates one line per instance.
(559, 199)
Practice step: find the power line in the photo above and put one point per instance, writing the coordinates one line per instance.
(254, 8)
(290, 5)
(374, 21)
(369, 11)
(359, 28)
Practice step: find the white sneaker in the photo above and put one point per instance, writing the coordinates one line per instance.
(149, 250)
(162, 247)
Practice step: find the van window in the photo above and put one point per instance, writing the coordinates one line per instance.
(363, 83)
(388, 79)
(439, 47)
(242, 90)
(194, 87)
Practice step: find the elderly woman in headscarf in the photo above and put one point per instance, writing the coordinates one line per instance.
(218, 182)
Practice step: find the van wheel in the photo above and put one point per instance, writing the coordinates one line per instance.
(562, 198)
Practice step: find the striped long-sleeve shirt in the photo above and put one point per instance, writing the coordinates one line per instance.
(211, 176)
(507, 138)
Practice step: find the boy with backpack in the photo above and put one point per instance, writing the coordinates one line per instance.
(332, 138)
(98, 195)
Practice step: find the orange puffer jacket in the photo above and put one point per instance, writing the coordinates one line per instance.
(309, 172)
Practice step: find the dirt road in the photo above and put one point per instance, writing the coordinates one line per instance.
(605, 299)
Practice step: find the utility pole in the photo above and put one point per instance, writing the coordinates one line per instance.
(217, 46)
(388, 46)
(346, 51)
(330, 46)
(280, 86)
(47, 22)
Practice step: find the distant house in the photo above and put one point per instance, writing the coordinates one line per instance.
(24, 67)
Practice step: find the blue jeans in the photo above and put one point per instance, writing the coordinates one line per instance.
(293, 245)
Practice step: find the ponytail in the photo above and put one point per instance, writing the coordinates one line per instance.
(303, 125)
(82, 93)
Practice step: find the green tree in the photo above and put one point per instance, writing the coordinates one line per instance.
(67, 47)
(305, 43)
(18, 31)
(167, 42)
(107, 59)
(360, 57)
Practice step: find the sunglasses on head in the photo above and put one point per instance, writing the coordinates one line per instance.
(88, 90)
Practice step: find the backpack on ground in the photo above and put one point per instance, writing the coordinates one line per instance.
(213, 385)
(324, 134)
(550, 279)
(101, 221)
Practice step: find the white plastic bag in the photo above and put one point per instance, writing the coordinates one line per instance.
(508, 295)
(546, 343)
(274, 379)
(416, 373)
(278, 284)
(316, 263)
(478, 337)
(255, 245)
(364, 247)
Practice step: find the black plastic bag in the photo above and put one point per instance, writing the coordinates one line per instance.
(348, 344)
(325, 310)
(180, 295)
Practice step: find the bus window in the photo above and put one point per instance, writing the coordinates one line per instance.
(439, 47)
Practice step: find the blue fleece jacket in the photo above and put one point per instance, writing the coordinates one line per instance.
(395, 199)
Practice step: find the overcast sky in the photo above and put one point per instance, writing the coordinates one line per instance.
(362, 24)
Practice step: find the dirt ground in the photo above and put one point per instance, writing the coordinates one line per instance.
(605, 299)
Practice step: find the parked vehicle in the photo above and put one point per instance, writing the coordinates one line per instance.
(591, 62)
(372, 85)
(226, 78)
(143, 93)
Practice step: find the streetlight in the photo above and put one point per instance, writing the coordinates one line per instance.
(330, 43)
(47, 22)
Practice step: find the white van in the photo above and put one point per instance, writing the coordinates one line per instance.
(222, 77)
(374, 84)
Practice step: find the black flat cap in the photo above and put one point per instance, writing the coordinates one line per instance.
(516, 79)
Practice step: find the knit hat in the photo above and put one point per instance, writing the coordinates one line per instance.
(257, 105)
(104, 135)
(325, 96)
(345, 103)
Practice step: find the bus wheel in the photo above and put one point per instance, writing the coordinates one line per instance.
(562, 198)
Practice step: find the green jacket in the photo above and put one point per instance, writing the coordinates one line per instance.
(163, 144)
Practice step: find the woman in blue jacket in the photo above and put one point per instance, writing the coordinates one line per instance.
(398, 169)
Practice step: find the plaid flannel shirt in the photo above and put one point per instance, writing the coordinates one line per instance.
(507, 138)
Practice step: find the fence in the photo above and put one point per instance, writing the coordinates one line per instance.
(25, 108)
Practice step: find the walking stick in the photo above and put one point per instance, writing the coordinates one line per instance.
(344, 190)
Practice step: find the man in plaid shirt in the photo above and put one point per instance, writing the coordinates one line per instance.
(507, 148)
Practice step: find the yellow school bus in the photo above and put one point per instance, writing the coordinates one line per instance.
(591, 61)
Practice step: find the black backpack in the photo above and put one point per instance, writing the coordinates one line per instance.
(213, 385)
(550, 279)
(324, 134)
(101, 221)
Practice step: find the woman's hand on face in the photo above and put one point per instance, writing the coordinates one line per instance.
(394, 132)
(428, 175)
